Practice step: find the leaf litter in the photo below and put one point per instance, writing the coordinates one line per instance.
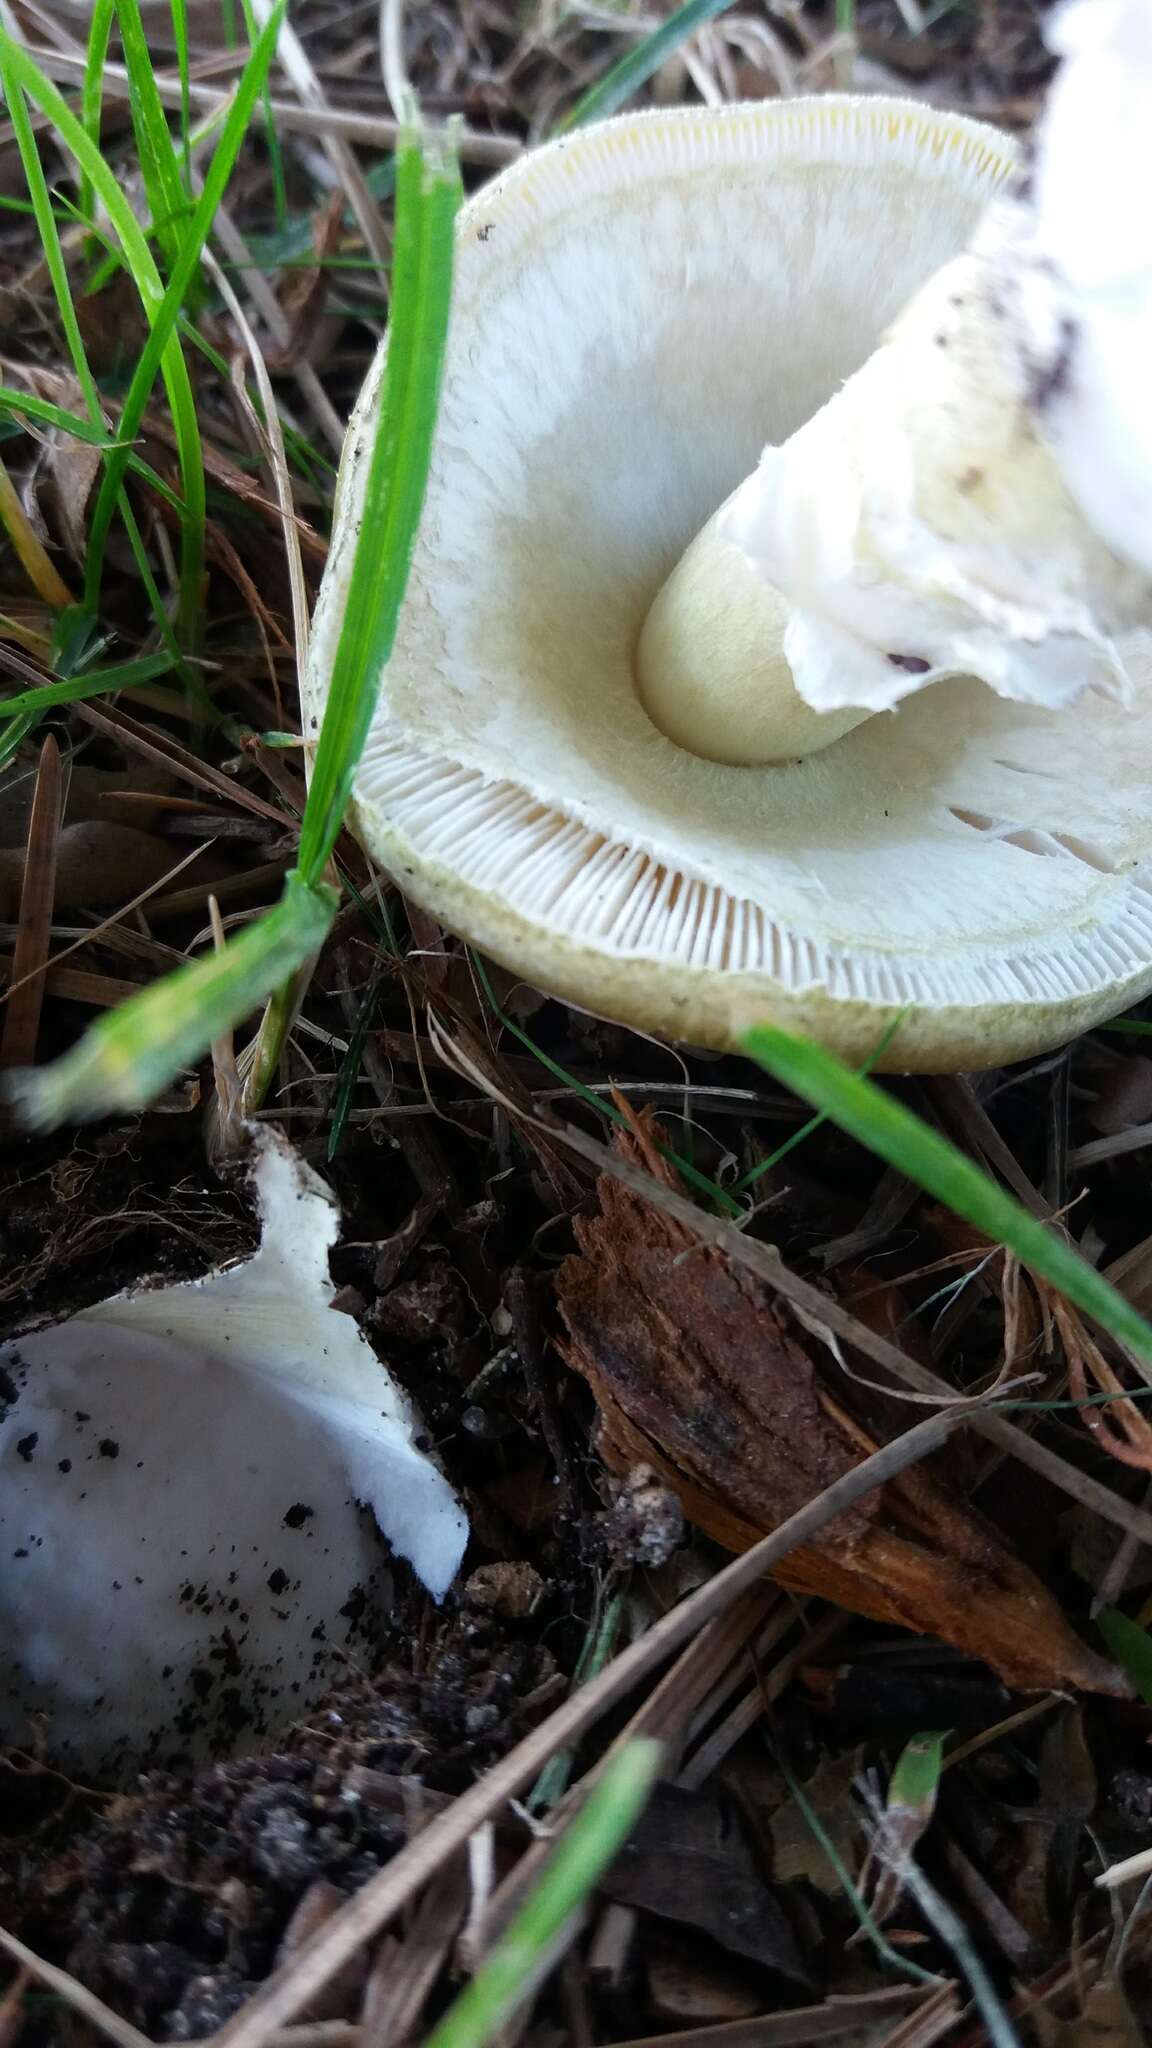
(490, 1245)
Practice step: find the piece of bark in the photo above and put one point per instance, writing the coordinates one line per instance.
(699, 1373)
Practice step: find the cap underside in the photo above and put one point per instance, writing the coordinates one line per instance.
(637, 311)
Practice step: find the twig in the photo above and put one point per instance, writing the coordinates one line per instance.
(34, 931)
(754, 1703)
(84, 2002)
(231, 240)
(392, 66)
(157, 746)
(1135, 1139)
(373, 130)
(824, 2022)
(951, 1930)
(298, 1982)
(399, 1987)
(271, 439)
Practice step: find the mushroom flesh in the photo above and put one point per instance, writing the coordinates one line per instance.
(638, 766)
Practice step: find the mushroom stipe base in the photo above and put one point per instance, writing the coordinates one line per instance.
(638, 310)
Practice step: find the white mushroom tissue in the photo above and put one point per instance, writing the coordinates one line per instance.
(195, 1480)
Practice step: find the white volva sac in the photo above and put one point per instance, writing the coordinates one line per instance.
(194, 1482)
(747, 437)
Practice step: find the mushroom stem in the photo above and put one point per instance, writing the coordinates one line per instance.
(710, 663)
(917, 527)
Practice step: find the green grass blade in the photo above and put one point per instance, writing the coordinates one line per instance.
(14, 732)
(848, 1885)
(189, 676)
(159, 165)
(921, 1154)
(126, 1058)
(162, 352)
(99, 682)
(49, 234)
(22, 75)
(763, 1166)
(636, 68)
(179, 12)
(915, 1779)
(48, 415)
(350, 1065)
(1131, 1646)
(24, 405)
(427, 194)
(92, 94)
(271, 139)
(162, 349)
(689, 1173)
(582, 1854)
(130, 1055)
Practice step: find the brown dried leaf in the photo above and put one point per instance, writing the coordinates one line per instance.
(96, 864)
(67, 476)
(305, 297)
(690, 1859)
(699, 1374)
(797, 1852)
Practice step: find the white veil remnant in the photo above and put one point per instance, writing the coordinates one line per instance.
(1090, 296)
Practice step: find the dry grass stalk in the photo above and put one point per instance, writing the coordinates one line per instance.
(83, 2003)
(34, 931)
(327, 123)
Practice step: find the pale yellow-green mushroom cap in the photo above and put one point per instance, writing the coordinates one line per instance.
(638, 310)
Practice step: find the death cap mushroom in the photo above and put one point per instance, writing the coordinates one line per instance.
(639, 311)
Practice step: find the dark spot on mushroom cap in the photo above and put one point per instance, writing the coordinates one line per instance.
(278, 1581)
(1023, 186)
(297, 1515)
(109, 1448)
(912, 664)
(27, 1445)
(1051, 379)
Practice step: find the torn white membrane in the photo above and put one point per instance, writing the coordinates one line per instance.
(186, 1560)
(1087, 292)
(977, 499)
